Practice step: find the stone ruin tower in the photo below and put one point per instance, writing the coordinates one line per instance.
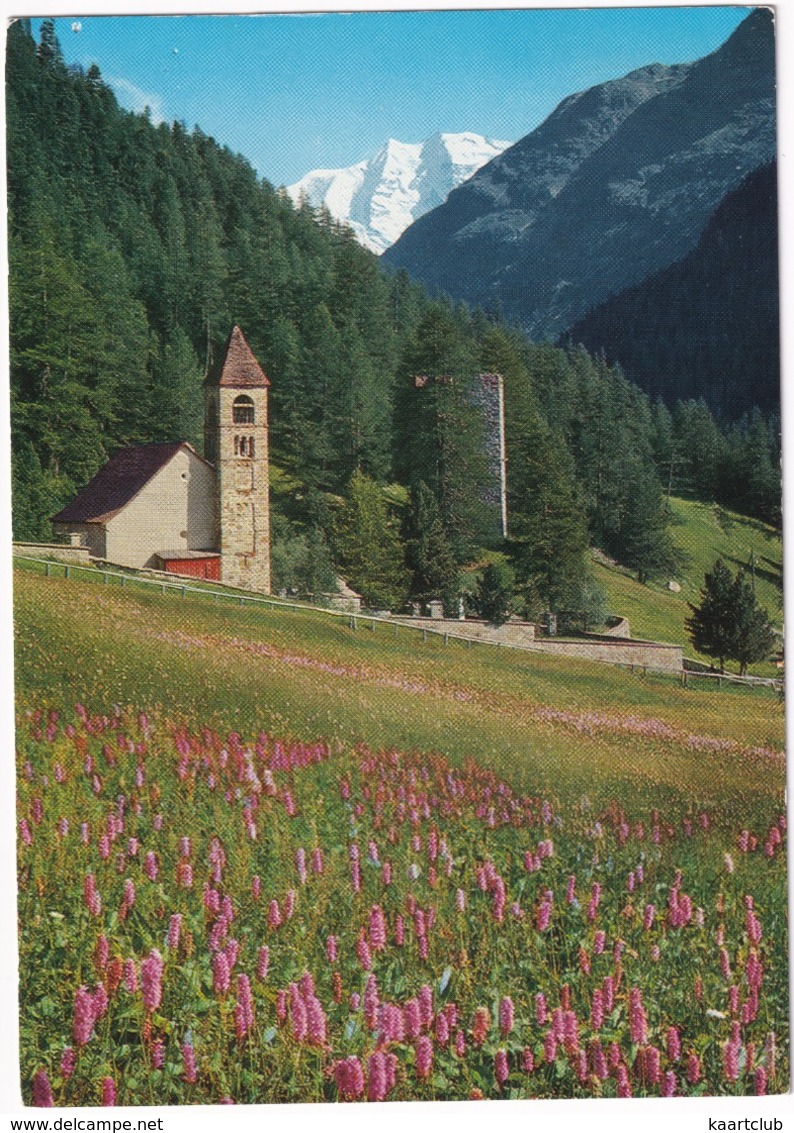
(236, 443)
(488, 394)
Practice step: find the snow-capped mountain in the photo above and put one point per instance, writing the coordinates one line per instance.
(380, 197)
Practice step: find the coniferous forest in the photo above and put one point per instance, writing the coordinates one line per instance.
(133, 248)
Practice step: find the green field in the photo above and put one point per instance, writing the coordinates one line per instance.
(548, 723)
(704, 532)
(238, 742)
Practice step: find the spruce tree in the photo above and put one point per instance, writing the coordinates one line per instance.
(711, 625)
(495, 593)
(368, 547)
(435, 573)
(753, 637)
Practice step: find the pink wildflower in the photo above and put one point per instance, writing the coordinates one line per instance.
(730, 1061)
(151, 980)
(316, 1025)
(501, 1067)
(637, 1018)
(221, 976)
(42, 1090)
(377, 1074)
(262, 962)
(244, 1008)
(108, 1091)
(83, 1023)
(189, 1063)
(174, 930)
(68, 1062)
(506, 1016)
(481, 1024)
(363, 953)
(425, 999)
(424, 1057)
(377, 929)
(371, 1002)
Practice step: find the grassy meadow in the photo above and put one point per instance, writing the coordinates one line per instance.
(704, 532)
(266, 857)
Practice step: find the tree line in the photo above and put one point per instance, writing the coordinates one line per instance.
(134, 246)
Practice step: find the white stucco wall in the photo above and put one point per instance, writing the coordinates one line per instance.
(174, 511)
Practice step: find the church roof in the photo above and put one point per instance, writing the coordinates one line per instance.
(237, 367)
(118, 482)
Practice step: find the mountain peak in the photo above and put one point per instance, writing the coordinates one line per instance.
(382, 195)
(616, 184)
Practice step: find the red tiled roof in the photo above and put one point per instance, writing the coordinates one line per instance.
(117, 483)
(238, 367)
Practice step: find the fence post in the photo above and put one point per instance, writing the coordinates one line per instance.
(66, 571)
(446, 639)
(424, 634)
(184, 591)
(47, 569)
(104, 578)
(124, 580)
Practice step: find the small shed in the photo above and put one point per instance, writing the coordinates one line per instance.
(196, 564)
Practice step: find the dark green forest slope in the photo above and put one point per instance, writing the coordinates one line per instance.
(707, 326)
(133, 248)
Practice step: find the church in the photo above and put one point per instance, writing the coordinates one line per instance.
(164, 506)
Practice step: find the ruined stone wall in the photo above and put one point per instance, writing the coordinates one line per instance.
(488, 396)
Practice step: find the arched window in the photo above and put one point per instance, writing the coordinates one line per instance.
(250, 446)
(243, 410)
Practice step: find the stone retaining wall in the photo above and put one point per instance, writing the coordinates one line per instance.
(521, 634)
(656, 656)
(619, 651)
(61, 552)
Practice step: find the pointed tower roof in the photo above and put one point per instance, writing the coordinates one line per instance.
(237, 367)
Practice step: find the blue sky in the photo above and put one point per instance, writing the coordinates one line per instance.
(299, 92)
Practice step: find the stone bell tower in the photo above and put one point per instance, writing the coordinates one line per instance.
(236, 443)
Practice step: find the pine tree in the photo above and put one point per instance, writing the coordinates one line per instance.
(435, 573)
(711, 624)
(645, 541)
(495, 593)
(368, 547)
(753, 637)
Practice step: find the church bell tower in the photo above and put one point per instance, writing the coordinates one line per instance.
(236, 443)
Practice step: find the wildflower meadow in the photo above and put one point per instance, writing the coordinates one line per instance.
(211, 915)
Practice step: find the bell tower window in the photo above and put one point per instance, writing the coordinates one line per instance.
(243, 410)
